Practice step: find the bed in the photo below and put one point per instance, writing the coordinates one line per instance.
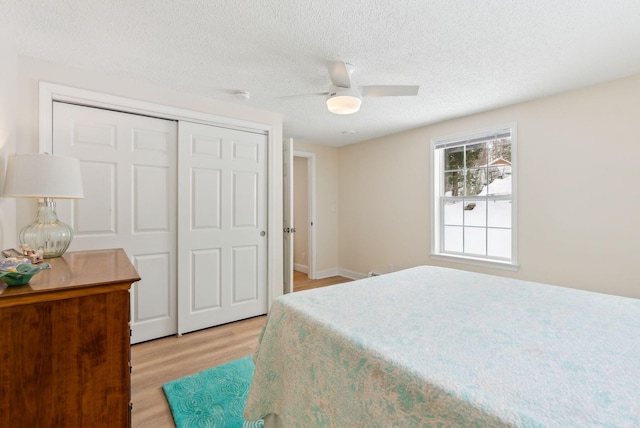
(432, 346)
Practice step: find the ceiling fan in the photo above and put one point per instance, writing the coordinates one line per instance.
(344, 98)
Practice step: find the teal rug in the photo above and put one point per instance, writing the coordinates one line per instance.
(212, 398)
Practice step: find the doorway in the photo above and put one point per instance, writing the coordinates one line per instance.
(304, 195)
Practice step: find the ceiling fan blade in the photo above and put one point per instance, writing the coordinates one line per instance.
(301, 95)
(339, 74)
(388, 90)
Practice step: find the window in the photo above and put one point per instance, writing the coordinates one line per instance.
(474, 204)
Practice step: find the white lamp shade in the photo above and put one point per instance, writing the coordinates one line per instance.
(43, 176)
(343, 100)
(343, 104)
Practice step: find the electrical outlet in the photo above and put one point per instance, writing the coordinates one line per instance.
(390, 268)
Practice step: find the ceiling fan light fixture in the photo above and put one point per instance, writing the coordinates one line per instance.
(343, 100)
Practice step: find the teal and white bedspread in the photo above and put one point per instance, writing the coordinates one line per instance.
(437, 347)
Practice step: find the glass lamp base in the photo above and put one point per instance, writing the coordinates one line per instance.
(47, 232)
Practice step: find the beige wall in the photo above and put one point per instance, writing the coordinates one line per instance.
(31, 71)
(384, 204)
(327, 206)
(300, 214)
(577, 187)
(578, 175)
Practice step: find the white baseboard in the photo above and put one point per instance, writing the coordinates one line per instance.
(351, 274)
(321, 274)
(340, 272)
(327, 273)
(301, 268)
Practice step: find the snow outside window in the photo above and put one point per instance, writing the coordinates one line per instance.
(474, 197)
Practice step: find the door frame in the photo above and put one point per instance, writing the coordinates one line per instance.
(311, 198)
(287, 214)
(50, 92)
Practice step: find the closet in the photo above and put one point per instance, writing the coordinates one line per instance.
(186, 201)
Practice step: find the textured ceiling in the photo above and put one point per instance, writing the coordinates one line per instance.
(466, 55)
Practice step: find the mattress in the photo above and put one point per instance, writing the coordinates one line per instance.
(432, 346)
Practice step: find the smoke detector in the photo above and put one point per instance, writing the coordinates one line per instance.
(242, 95)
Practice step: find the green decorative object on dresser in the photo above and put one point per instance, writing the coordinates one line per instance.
(21, 274)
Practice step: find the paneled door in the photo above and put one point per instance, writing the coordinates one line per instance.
(222, 224)
(129, 175)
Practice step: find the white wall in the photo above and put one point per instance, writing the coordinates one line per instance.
(579, 199)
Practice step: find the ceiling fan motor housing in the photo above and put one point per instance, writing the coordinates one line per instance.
(343, 100)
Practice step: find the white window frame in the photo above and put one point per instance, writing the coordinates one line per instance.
(437, 167)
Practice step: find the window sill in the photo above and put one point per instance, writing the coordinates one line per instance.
(476, 261)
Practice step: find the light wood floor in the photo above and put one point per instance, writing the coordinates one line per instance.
(159, 361)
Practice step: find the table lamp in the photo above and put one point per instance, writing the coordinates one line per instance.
(45, 177)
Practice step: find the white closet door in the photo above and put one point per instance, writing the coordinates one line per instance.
(128, 167)
(222, 223)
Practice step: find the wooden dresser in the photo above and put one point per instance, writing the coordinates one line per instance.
(65, 344)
